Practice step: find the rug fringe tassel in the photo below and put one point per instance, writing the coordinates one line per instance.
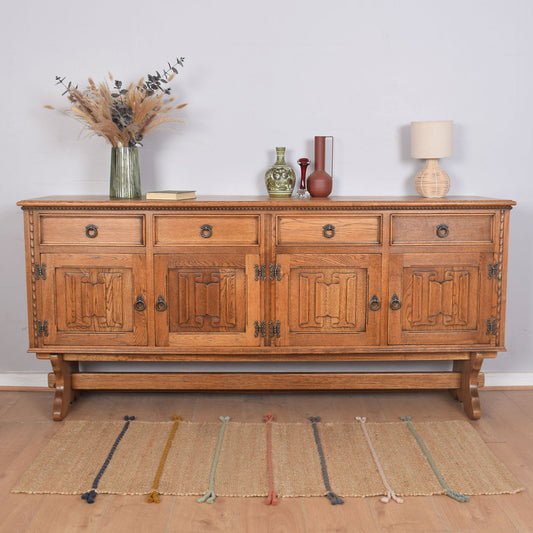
(334, 499)
(272, 498)
(208, 497)
(153, 497)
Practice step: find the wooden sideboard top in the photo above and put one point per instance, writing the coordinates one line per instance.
(362, 202)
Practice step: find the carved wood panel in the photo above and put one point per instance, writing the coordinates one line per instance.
(206, 298)
(325, 298)
(93, 298)
(444, 298)
(212, 299)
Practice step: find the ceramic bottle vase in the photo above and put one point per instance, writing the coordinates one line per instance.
(280, 178)
(319, 183)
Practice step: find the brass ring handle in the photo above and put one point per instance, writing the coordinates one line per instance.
(140, 304)
(395, 303)
(442, 231)
(329, 231)
(374, 304)
(160, 305)
(91, 231)
(206, 231)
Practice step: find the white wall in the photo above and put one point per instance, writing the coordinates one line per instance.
(265, 74)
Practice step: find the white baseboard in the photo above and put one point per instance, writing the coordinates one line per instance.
(40, 379)
(509, 379)
(24, 379)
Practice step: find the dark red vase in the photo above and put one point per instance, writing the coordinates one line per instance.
(320, 183)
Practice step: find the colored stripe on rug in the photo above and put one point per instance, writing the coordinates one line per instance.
(333, 498)
(390, 494)
(153, 497)
(90, 495)
(272, 498)
(451, 493)
(210, 495)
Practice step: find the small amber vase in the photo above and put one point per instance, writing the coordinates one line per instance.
(320, 183)
(125, 178)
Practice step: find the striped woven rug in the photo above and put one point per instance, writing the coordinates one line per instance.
(312, 458)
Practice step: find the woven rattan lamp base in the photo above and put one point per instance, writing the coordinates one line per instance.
(432, 181)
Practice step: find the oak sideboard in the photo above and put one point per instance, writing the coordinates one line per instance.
(255, 280)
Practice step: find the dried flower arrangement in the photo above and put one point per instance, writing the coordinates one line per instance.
(124, 116)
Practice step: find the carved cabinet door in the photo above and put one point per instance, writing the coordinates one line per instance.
(93, 300)
(328, 299)
(438, 298)
(207, 299)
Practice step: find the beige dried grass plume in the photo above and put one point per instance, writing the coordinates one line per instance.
(124, 116)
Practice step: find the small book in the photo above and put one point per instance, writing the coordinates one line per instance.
(171, 195)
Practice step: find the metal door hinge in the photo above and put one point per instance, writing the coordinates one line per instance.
(40, 271)
(275, 272)
(260, 272)
(260, 328)
(494, 270)
(492, 326)
(275, 328)
(42, 328)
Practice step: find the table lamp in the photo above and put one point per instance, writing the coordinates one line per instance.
(432, 140)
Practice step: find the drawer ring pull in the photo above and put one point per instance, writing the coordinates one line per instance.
(442, 231)
(140, 304)
(160, 305)
(91, 230)
(329, 231)
(395, 303)
(206, 231)
(374, 304)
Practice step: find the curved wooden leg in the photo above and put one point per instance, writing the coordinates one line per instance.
(64, 393)
(468, 394)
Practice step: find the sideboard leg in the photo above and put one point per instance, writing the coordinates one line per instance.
(468, 394)
(64, 394)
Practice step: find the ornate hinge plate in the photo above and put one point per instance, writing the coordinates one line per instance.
(492, 326)
(260, 328)
(260, 272)
(275, 272)
(275, 328)
(494, 270)
(42, 328)
(40, 271)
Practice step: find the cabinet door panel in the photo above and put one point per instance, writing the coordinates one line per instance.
(90, 299)
(323, 299)
(444, 299)
(212, 300)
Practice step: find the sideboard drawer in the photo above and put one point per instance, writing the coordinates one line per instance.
(442, 229)
(333, 229)
(206, 230)
(97, 230)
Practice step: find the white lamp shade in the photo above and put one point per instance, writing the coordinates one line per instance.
(431, 140)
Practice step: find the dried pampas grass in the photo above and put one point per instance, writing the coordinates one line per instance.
(124, 116)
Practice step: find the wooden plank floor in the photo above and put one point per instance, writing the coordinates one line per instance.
(25, 426)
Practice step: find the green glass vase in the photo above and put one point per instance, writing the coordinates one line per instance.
(280, 177)
(125, 179)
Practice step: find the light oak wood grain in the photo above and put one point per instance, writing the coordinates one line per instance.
(249, 279)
